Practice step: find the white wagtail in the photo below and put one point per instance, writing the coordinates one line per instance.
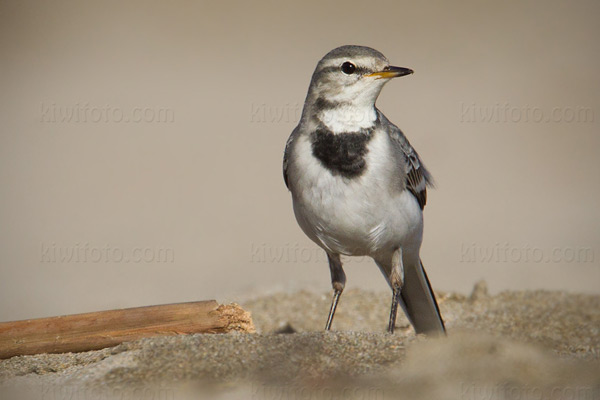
(358, 186)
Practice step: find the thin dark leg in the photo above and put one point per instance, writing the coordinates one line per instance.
(334, 303)
(394, 310)
(338, 281)
(396, 279)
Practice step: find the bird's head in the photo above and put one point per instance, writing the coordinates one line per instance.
(351, 75)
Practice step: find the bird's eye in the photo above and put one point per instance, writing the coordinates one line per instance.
(348, 68)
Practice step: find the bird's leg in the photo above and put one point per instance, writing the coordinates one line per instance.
(338, 281)
(396, 279)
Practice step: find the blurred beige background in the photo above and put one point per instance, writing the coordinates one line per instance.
(141, 145)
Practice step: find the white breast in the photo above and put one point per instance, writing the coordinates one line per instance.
(354, 216)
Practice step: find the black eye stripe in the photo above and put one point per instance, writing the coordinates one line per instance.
(360, 70)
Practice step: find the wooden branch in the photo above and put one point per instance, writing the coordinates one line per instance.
(97, 330)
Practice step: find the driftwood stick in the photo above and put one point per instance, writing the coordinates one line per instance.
(97, 330)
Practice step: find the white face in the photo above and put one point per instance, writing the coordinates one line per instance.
(347, 80)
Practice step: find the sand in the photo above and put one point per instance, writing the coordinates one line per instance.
(514, 345)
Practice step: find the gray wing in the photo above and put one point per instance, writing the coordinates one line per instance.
(417, 176)
(286, 155)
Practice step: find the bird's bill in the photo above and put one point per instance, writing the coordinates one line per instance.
(391, 72)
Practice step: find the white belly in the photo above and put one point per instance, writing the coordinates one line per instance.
(366, 215)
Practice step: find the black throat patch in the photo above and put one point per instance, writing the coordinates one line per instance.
(342, 153)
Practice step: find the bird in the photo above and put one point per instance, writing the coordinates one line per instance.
(358, 187)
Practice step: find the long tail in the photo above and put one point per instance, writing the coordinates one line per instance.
(418, 301)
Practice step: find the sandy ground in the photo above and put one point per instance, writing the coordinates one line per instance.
(515, 345)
